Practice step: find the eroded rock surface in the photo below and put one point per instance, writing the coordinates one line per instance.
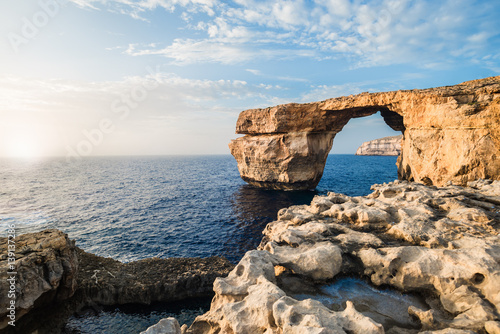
(381, 146)
(55, 279)
(106, 281)
(165, 326)
(46, 267)
(450, 134)
(441, 244)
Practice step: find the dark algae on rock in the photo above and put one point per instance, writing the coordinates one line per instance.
(57, 279)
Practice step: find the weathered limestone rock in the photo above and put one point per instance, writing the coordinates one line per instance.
(442, 244)
(449, 273)
(449, 134)
(492, 327)
(249, 301)
(310, 317)
(46, 265)
(283, 161)
(448, 331)
(243, 301)
(164, 326)
(56, 279)
(381, 146)
(320, 261)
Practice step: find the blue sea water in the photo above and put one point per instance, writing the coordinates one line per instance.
(131, 208)
(133, 319)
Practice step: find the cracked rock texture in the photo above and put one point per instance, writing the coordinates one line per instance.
(449, 134)
(441, 244)
(46, 265)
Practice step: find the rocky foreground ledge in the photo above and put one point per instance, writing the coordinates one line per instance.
(54, 279)
(441, 245)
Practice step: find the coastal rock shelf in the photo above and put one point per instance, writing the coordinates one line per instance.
(449, 134)
(441, 245)
(45, 267)
(381, 146)
(55, 279)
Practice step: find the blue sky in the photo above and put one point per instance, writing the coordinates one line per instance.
(120, 77)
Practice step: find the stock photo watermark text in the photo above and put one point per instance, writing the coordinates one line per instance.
(11, 274)
(120, 109)
(31, 26)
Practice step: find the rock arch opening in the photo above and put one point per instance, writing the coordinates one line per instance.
(362, 135)
(363, 153)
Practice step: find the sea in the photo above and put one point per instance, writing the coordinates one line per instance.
(131, 208)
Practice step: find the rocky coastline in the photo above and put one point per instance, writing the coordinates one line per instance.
(440, 244)
(56, 279)
(437, 246)
(383, 146)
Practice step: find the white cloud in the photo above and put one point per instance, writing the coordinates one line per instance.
(373, 33)
(85, 4)
(50, 115)
(492, 62)
(189, 51)
(192, 51)
(254, 72)
(135, 9)
(94, 98)
(339, 8)
(480, 37)
(289, 13)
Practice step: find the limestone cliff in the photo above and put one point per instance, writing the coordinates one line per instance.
(382, 146)
(449, 134)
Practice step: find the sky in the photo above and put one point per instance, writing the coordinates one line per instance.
(154, 77)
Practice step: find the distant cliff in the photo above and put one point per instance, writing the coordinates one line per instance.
(381, 146)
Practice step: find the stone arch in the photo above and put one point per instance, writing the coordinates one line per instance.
(358, 134)
(292, 154)
(450, 134)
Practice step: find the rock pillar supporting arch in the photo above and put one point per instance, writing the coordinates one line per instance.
(287, 161)
(450, 134)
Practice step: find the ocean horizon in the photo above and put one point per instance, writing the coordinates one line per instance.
(135, 207)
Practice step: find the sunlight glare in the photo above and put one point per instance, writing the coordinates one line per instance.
(23, 145)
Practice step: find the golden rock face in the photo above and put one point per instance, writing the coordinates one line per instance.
(449, 134)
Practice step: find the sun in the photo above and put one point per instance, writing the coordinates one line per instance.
(22, 145)
(24, 150)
